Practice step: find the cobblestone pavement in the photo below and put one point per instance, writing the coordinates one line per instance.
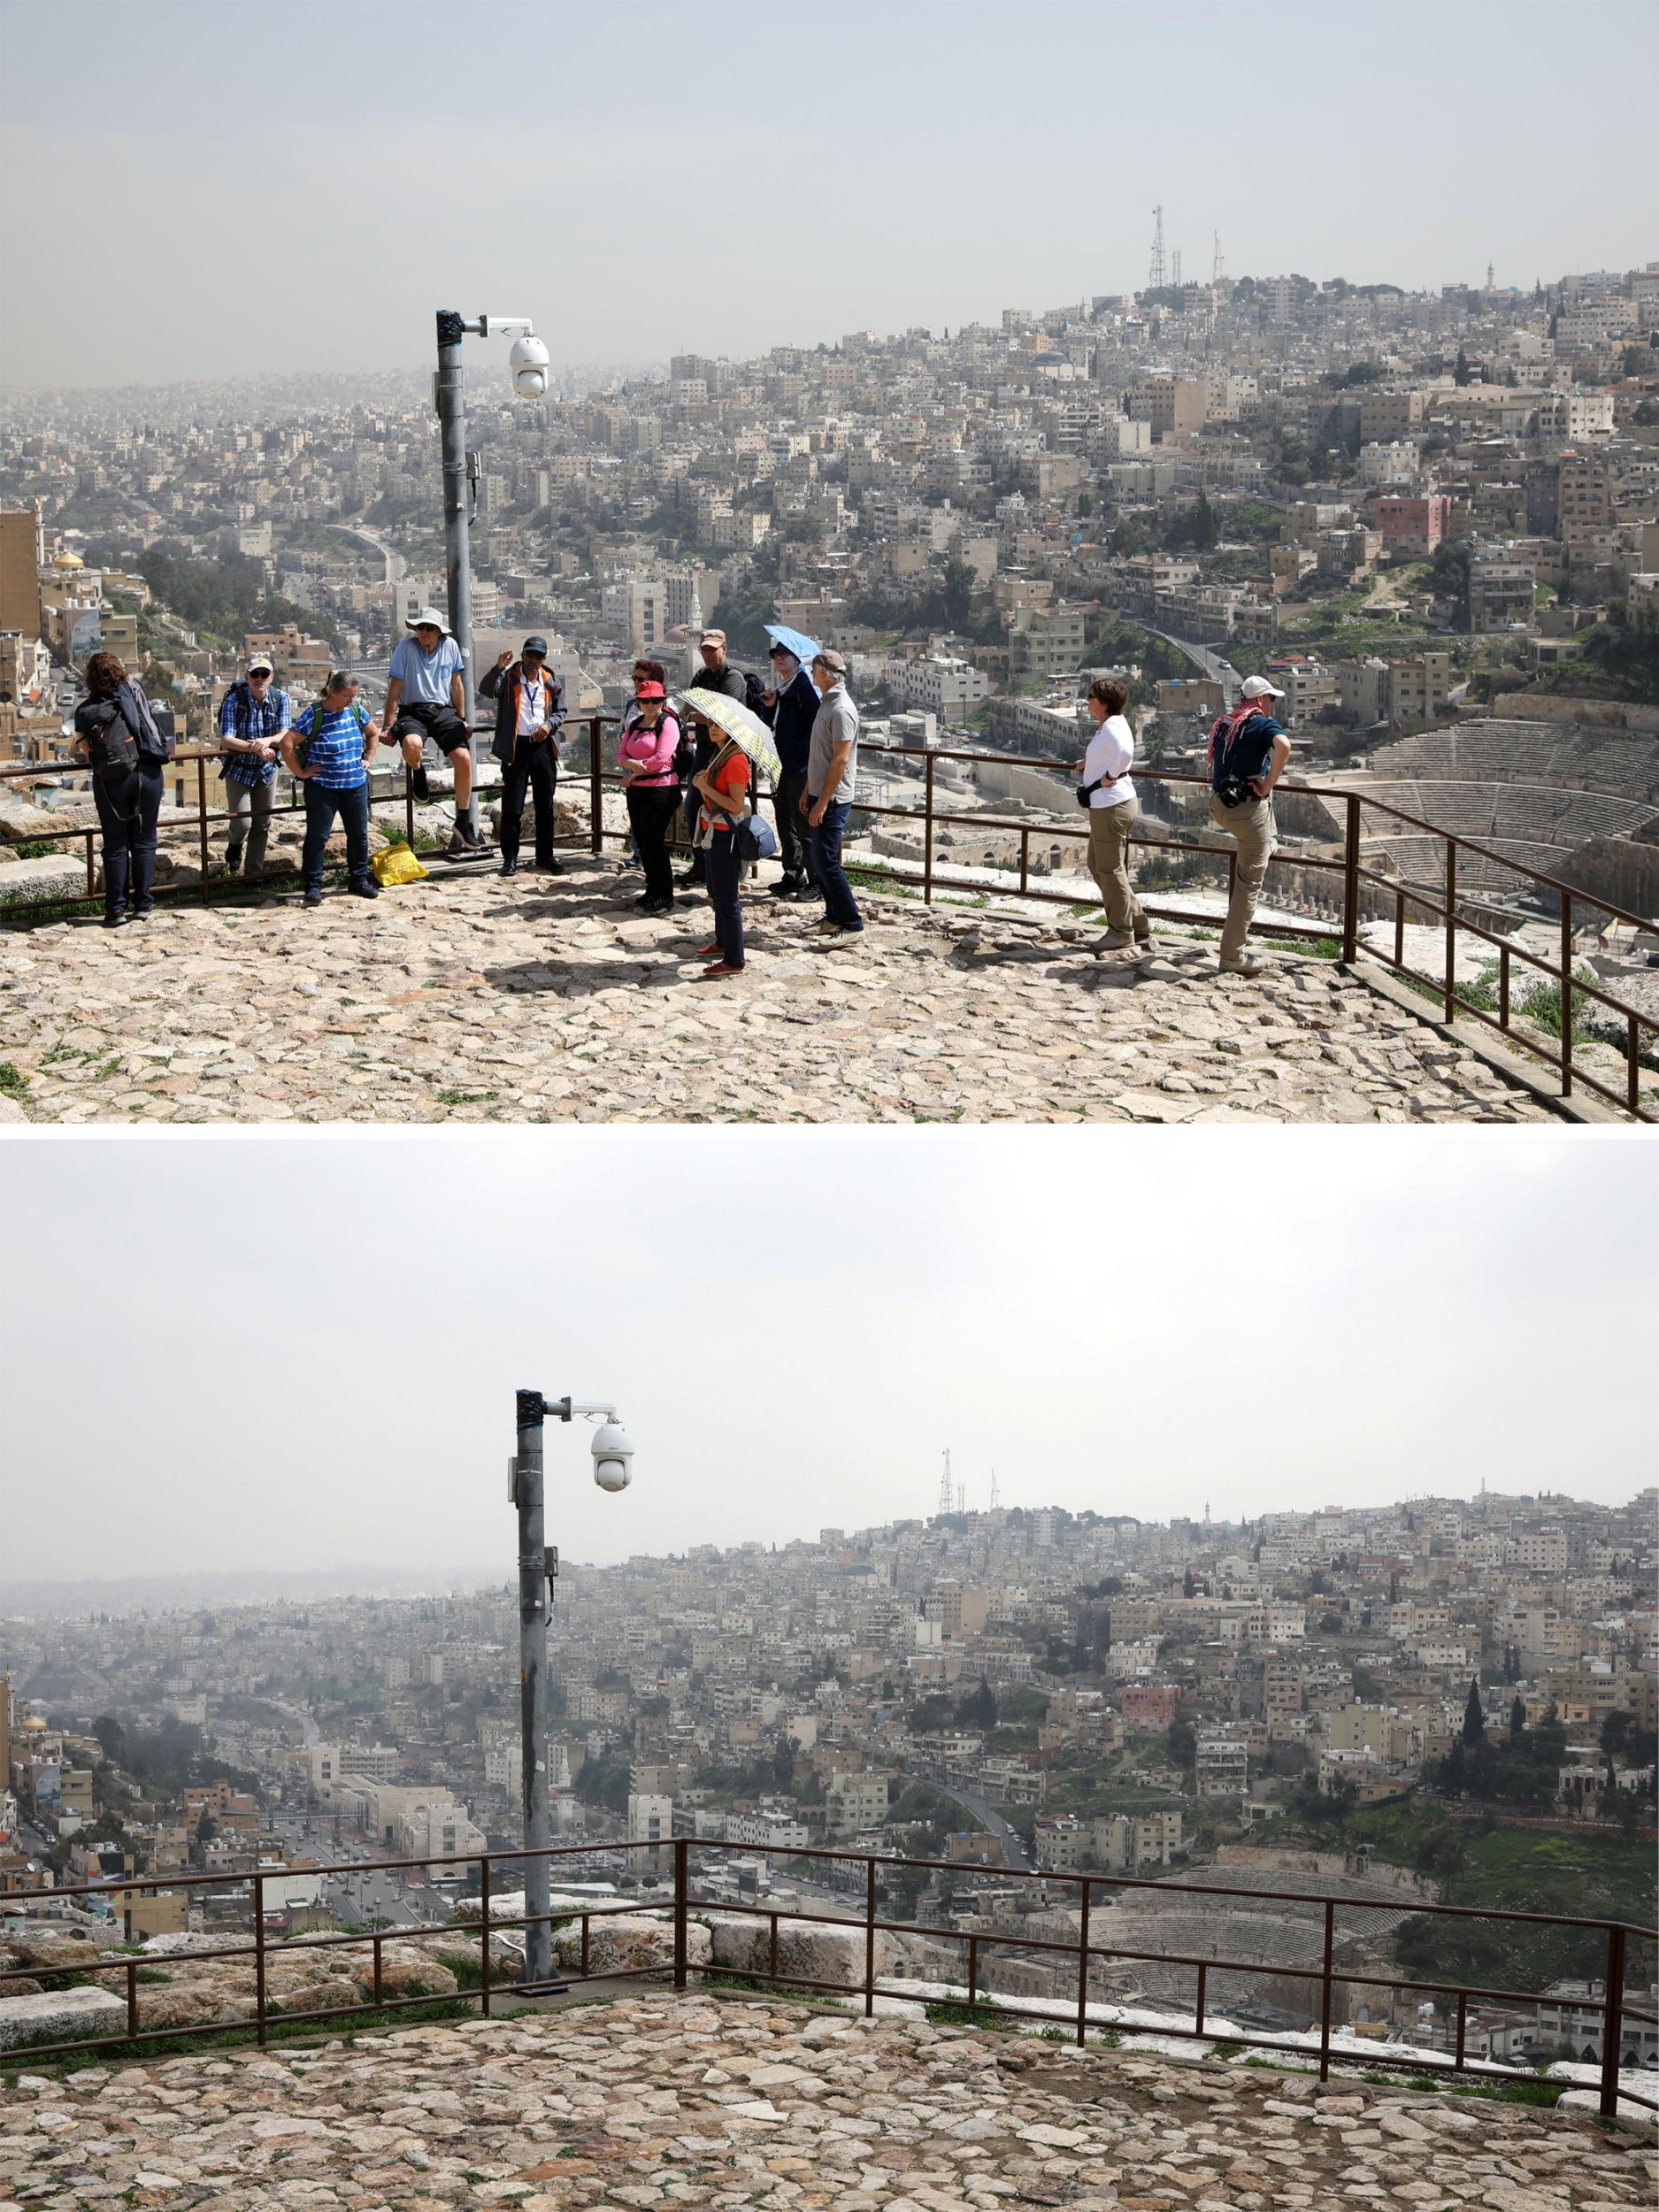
(475, 998)
(666, 2101)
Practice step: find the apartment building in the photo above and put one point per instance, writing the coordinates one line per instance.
(1412, 529)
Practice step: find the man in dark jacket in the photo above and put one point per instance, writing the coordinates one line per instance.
(116, 735)
(529, 711)
(791, 707)
(716, 674)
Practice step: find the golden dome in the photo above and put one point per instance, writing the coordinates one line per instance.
(69, 560)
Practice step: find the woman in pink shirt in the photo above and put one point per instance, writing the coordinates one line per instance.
(646, 757)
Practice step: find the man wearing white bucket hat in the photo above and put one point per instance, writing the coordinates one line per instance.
(1247, 752)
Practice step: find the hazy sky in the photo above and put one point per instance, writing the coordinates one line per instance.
(202, 188)
(221, 1352)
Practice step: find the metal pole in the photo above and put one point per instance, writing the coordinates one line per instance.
(533, 1612)
(1566, 995)
(1324, 1992)
(1612, 2022)
(452, 431)
(870, 1938)
(1350, 881)
(681, 1888)
(1082, 1971)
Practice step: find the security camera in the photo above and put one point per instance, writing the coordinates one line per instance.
(528, 362)
(613, 1451)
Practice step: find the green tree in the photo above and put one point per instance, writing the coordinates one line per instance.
(1474, 1718)
(977, 1708)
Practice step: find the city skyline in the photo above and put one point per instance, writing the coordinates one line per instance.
(621, 272)
(954, 1260)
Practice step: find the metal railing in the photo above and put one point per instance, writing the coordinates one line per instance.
(1088, 1950)
(1450, 911)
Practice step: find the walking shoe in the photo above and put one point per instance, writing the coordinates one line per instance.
(141, 913)
(657, 906)
(458, 847)
(724, 967)
(549, 867)
(367, 889)
(1117, 940)
(422, 789)
(822, 940)
(1247, 966)
(825, 928)
(707, 952)
(692, 875)
(115, 921)
(313, 898)
(509, 867)
(787, 888)
(232, 859)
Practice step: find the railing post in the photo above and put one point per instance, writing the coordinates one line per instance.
(772, 1950)
(379, 1997)
(1082, 1969)
(132, 1999)
(92, 867)
(1503, 987)
(1566, 995)
(584, 1947)
(595, 784)
(483, 1938)
(1198, 2011)
(1399, 927)
(409, 805)
(1025, 857)
(682, 1886)
(1324, 1989)
(1451, 928)
(1632, 1063)
(1612, 2022)
(927, 837)
(201, 818)
(973, 1972)
(1350, 880)
(1463, 2030)
(258, 1954)
(870, 1938)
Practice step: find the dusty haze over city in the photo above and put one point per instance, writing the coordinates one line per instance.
(1021, 149)
(315, 1365)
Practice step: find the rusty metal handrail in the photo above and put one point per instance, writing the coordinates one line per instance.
(1446, 907)
(1087, 1949)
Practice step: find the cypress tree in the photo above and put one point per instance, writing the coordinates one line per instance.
(1474, 1719)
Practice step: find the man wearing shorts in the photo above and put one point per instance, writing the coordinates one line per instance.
(427, 698)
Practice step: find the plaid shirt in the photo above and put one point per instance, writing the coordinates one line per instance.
(334, 751)
(241, 715)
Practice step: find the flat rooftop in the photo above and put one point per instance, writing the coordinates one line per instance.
(471, 997)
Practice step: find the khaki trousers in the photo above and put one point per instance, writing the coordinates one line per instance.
(1109, 832)
(1255, 833)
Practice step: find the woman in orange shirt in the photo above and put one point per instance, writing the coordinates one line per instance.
(723, 787)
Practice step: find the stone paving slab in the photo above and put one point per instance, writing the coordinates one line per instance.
(546, 998)
(694, 2101)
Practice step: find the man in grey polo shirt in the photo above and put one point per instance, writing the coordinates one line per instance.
(831, 772)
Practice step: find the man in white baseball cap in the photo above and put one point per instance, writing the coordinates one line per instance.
(1247, 751)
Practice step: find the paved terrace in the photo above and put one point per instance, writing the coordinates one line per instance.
(689, 2100)
(470, 997)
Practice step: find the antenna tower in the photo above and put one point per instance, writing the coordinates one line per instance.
(1155, 274)
(962, 1497)
(1175, 268)
(1217, 265)
(945, 1493)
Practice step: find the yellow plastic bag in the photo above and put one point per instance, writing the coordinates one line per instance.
(397, 863)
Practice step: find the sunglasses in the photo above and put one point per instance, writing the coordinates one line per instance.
(258, 675)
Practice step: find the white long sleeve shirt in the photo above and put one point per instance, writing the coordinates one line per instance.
(1111, 751)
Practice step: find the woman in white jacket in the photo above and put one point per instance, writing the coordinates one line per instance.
(1113, 813)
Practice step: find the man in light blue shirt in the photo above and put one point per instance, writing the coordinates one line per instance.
(427, 698)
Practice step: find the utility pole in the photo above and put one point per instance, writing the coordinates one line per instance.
(458, 557)
(537, 1567)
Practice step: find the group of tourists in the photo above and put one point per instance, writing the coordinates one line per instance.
(672, 757)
